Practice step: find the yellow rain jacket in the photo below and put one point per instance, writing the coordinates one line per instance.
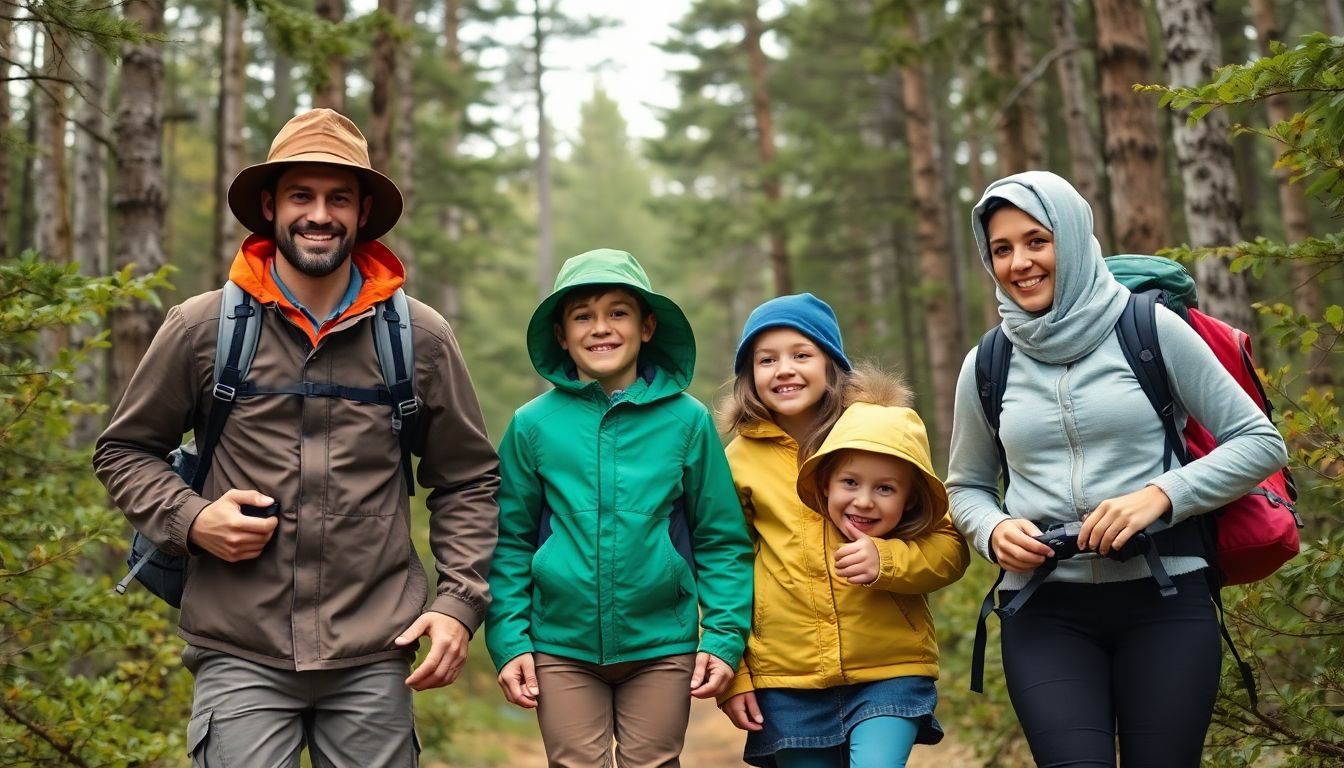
(811, 628)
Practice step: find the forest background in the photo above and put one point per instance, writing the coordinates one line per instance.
(833, 147)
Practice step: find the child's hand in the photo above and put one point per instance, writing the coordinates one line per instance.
(857, 561)
(744, 712)
(518, 679)
(711, 677)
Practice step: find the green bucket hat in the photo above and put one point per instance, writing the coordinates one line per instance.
(672, 347)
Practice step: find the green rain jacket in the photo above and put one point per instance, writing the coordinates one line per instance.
(620, 535)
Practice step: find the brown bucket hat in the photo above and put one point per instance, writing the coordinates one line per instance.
(317, 136)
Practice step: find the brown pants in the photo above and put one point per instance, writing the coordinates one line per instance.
(643, 705)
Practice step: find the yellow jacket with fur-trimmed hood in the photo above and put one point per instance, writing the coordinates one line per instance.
(811, 628)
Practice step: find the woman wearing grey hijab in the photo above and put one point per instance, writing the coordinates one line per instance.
(1097, 656)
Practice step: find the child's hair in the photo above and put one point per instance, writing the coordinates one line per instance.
(743, 406)
(919, 505)
(583, 293)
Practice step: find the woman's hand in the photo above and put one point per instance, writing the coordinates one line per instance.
(743, 711)
(1115, 521)
(1015, 549)
(710, 677)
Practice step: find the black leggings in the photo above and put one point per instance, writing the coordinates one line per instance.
(1084, 662)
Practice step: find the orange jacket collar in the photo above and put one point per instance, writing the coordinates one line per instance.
(382, 271)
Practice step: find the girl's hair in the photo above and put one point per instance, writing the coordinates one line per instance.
(918, 515)
(743, 406)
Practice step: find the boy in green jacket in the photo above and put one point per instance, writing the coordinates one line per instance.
(622, 576)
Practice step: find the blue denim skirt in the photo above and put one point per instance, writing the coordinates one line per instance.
(797, 718)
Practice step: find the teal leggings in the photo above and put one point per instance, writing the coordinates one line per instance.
(878, 742)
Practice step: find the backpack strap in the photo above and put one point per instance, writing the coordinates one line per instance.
(992, 357)
(235, 349)
(1137, 328)
(396, 357)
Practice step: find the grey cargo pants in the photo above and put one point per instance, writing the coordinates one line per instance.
(246, 714)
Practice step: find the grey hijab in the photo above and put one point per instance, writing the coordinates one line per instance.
(1087, 300)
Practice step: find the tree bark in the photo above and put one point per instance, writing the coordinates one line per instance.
(1019, 137)
(975, 173)
(51, 167)
(1212, 198)
(765, 144)
(282, 100)
(1293, 203)
(384, 72)
(331, 94)
(450, 217)
(1083, 161)
(545, 226)
(1129, 127)
(403, 142)
(90, 222)
(6, 37)
(229, 139)
(1334, 15)
(942, 327)
(137, 197)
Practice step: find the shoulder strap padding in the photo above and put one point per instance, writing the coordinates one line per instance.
(229, 316)
(1137, 329)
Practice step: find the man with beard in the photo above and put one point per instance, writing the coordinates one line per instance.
(301, 626)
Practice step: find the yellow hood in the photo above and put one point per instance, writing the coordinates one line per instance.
(890, 430)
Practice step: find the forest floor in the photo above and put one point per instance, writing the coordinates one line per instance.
(711, 742)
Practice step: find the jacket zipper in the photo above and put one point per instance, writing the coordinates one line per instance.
(1075, 443)
(835, 607)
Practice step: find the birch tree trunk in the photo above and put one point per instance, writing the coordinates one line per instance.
(331, 94)
(137, 196)
(765, 143)
(1085, 169)
(6, 38)
(90, 223)
(1129, 129)
(942, 328)
(545, 226)
(1293, 203)
(229, 140)
(384, 72)
(1212, 198)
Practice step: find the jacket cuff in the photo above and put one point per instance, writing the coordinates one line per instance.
(456, 607)
(1182, 498)
(727, 649)
(179, 524)
(886, 565)
(741, 684)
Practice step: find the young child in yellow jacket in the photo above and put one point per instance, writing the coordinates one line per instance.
(841, 661)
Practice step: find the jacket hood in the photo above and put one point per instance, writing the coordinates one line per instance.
(382, 271)
(888, 427)
(671, 349)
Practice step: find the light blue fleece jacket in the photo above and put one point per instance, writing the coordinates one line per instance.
(1079, 431)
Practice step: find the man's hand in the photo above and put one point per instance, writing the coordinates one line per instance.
(1015, 549)
(743, 710)
(225, 532)
(518, 680)
(448, 640)
(1115, 521)
(858, 561)
(711, 677)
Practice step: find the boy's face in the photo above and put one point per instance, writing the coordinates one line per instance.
(603, 334)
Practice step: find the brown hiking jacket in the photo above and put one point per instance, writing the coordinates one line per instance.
(340, 577)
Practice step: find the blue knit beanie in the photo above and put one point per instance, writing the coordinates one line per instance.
(802, 312)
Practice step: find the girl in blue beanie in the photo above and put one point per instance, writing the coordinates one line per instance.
(823, 682)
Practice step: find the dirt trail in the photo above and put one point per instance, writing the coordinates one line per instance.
(713, 742)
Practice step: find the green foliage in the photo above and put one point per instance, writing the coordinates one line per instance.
(86, 677)
(1311, 138)
(1288, 626)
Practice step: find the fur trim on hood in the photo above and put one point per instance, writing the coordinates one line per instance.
(872, 384)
